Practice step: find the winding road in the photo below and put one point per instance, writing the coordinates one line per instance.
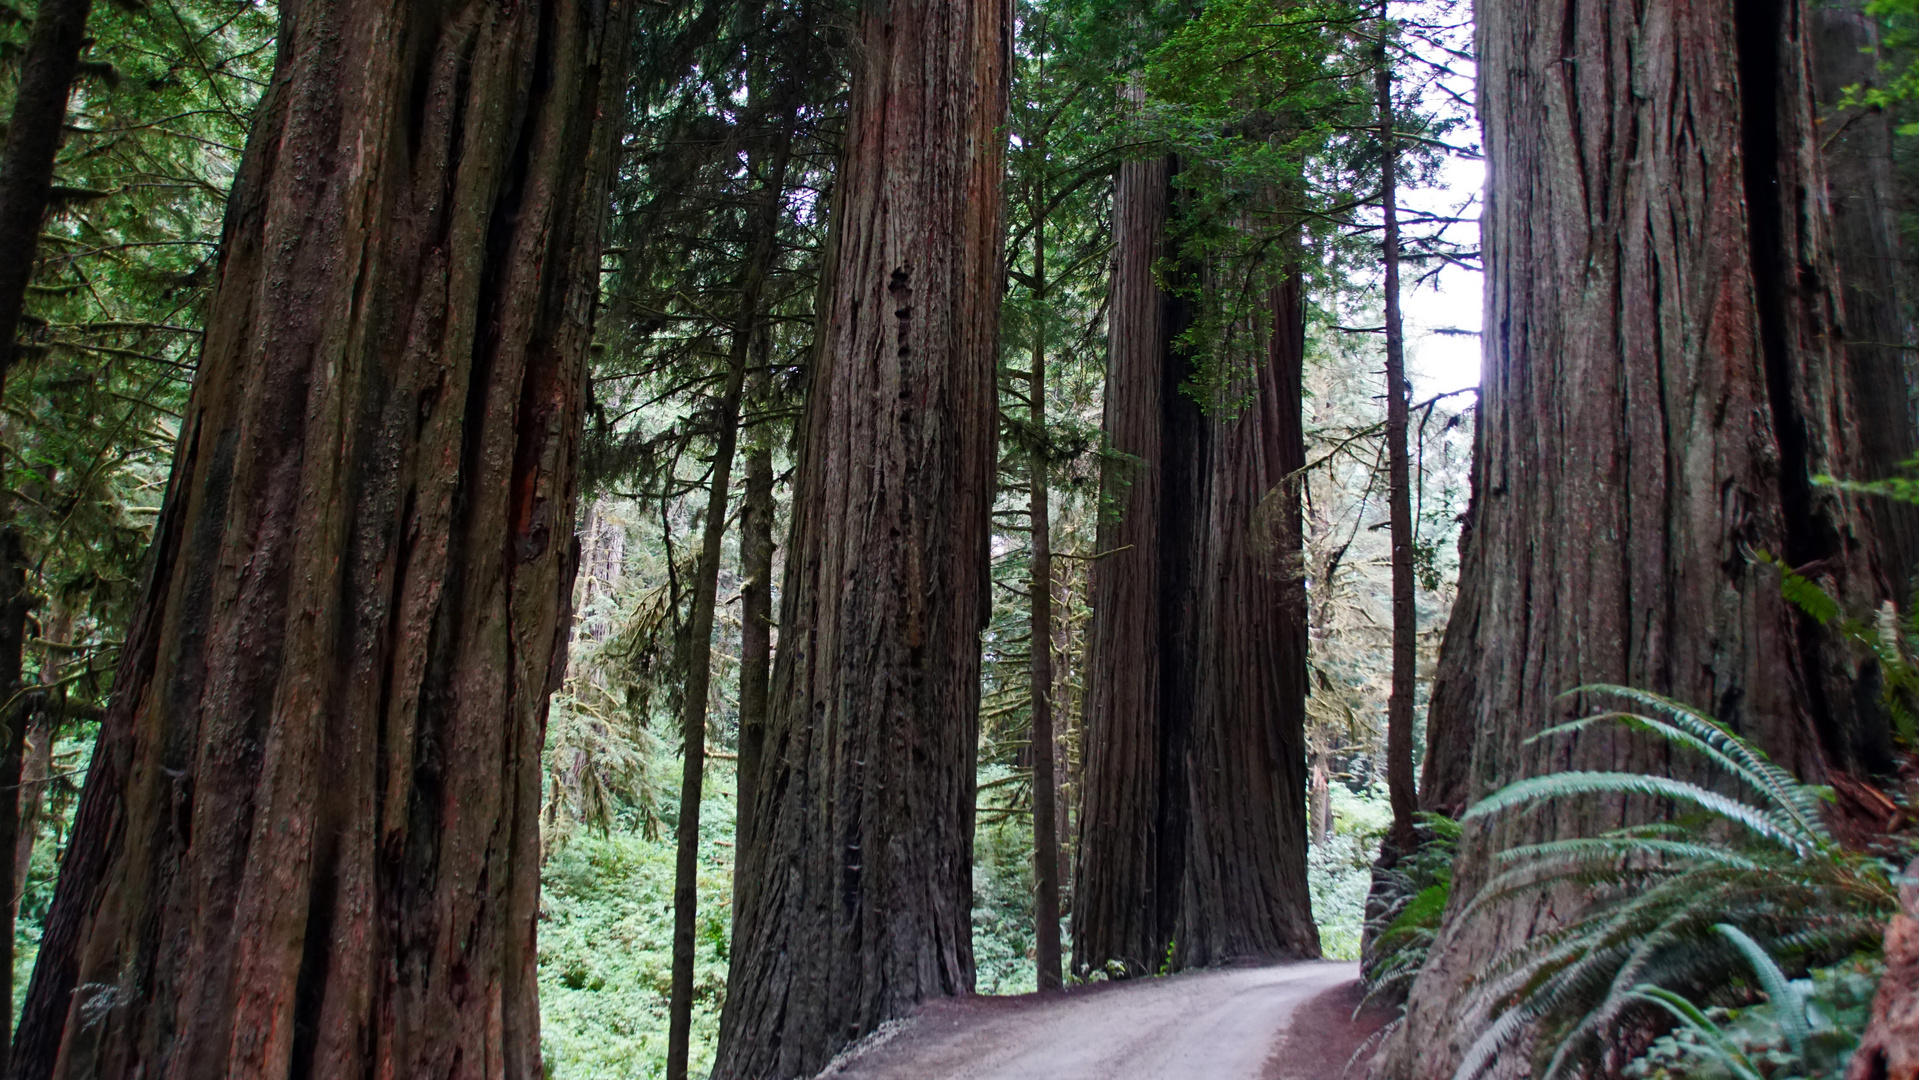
(1286, 1022)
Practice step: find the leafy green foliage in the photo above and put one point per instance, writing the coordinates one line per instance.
(1720, 1043)
(1003, 948)
(606, 954)
(1420, 885)
(1339, 868)
(1890, 637)
(1762, 862)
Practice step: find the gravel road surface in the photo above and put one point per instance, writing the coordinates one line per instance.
(1208, 1025)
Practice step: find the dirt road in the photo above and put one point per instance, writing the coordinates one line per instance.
(1212, 1025)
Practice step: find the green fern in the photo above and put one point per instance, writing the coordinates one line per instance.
(1672, 906)
(1419, 887)
(1892, 639)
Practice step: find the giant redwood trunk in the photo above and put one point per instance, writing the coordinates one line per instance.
(309, 842)
(1661, 382)
(856, 902)
(1244, 892)
(1124, 901)
(1192, 833)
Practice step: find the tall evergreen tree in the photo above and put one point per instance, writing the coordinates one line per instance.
(856, 901)
(309, 840)
(1660, 388)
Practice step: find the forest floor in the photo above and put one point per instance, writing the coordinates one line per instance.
(1288, 1022)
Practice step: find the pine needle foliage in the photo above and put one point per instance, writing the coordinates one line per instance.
(1752, 854)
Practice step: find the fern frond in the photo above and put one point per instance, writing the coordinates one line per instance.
(1726, 749)
(1628, 847)
(1497, 1036)
(1787, 1004)
(1566, 784)
(1689, 1015)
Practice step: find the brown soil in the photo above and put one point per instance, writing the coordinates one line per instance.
(1326, 1037)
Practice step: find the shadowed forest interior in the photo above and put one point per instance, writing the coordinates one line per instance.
(631, 538)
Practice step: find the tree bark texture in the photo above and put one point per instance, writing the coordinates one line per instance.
(1862, 192)
(857, 897)
(34, 133)
(309, 842)
(1124, 904)
(1889, 1047)
(1445, 779)
(1192, 830)
(1244, 893)
(1660, 386)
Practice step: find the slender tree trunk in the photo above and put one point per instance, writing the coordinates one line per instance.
(309, 841)
(699, 664)
(1040, 585)
(699, 670)
(42, 730)
(858, 894)
(1659, 391)
(1322, 799)
(756, 636)
(1399, 702)
(15, 713)
(34, 134)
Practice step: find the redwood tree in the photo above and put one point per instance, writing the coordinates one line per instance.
(1192, 833)
(1856, 144)
(1126, 881)
(856, 900)
(1244, 893)
(1660, 387)
(309, 845)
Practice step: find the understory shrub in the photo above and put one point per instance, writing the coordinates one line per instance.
(1339, 870)
(1762, 863)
